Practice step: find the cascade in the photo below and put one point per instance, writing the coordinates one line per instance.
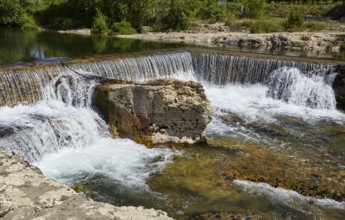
(312, 90)
(222, 69)
(28, 85)
(140, 68)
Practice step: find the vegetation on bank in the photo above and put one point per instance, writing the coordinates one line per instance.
(107, 17)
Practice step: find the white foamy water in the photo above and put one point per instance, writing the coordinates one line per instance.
(65, 138)
(185, 76)
(252, 103)
(294, 87)
(64, 141)
(287, 197)
(123, 160)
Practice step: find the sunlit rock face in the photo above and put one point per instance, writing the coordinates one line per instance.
(159, 111)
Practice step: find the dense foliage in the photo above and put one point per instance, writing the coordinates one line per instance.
(129, 16)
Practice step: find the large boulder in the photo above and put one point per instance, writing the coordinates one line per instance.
(339, 86)
(159, 111)
(27, 194)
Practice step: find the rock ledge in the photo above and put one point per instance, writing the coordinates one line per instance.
(159, 111)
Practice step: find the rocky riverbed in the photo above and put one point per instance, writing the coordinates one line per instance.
(314, 41)
(220, 35)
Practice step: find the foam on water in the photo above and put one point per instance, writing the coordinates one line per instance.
(287, 197)
(64, 141)
(251, 102)
(309, 90)
(65, 138)
(123, 160)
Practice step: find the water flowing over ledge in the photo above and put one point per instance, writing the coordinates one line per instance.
(26, 84)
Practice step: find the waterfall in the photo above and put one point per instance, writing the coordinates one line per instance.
(141, 68)
(312, 90)
(28, 85)
(222, 69)
(25, 86)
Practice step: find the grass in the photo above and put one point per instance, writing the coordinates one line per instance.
(267, 26)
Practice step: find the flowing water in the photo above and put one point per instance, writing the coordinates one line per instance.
(275, 151)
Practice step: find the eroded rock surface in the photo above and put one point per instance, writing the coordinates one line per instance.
(25, 193)
(159, 111)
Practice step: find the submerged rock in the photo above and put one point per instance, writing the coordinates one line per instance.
(339, 86)
(27, 194)
(159, 111)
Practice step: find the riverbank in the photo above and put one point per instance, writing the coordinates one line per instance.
(318, 42)
(219, 35)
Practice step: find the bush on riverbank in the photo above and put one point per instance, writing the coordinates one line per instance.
(123, 27)
(267, 26)
(28, 22)
(99, 26)
(162, 15)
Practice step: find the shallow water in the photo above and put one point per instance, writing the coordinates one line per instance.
(18, 47)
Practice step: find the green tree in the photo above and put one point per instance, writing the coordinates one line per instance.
(100, 26)
(211, 10)
(294, 22)
(10, 13)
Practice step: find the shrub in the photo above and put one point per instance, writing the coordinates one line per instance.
(61, 23)
(10, 12)
(264, 26)
(99, 26)
(28, 22)
(123, 27)
(314, 26)
(211, 11)
(252, 8)
(294, 22)
(239, 25)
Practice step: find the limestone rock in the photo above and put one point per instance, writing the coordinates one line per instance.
(159, 111)
(26, 194)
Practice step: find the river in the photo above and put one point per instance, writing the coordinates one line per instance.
(275, 150)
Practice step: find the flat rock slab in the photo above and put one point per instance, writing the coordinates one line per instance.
(159, 111)
(25, 193)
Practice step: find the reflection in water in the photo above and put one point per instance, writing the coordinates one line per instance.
(18, 46)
